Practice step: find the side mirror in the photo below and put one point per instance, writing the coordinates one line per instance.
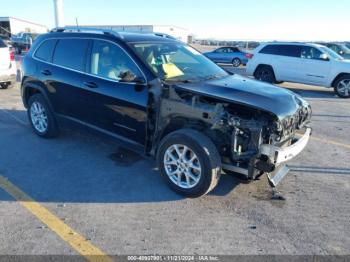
(324, 57)
(129, 76)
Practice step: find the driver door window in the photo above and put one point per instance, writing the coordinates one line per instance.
(308, 52)
(110, 62)
(220, 50)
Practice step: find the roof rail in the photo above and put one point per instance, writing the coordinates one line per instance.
(165, 36)
(84, 29)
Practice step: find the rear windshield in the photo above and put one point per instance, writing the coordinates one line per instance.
(2, 44)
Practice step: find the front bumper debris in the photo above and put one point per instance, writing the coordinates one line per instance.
(276, 176)
(278, 155)
(271, 160)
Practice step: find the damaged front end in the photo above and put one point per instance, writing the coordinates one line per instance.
(250, 141)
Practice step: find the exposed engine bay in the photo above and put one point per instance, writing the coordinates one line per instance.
(237, 130)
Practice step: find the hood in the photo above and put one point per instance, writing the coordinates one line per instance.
(241, 90)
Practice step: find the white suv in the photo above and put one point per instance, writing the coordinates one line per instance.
(304, 63)
(8, 69)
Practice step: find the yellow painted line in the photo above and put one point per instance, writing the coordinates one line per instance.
(78, 242)
(324, 140)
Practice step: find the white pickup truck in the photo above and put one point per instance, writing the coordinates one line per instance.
(8, 68)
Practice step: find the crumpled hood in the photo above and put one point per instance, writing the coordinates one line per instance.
(237, 89)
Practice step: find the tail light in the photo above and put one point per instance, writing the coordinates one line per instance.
(12, 55)
(26, 49)
(249, 56)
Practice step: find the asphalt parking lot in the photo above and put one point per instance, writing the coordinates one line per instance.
(113, 200)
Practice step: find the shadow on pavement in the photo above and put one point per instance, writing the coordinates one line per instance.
(322, 170)
(326, 93)
(81, 167)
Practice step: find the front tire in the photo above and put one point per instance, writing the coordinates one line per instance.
(342, 86)
(265, 74)
(189, 162)
(41, 117)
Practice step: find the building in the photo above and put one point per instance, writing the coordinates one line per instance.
(181, 34)
(12, 26)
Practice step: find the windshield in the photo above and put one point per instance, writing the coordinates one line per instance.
(331, 53)
(345, 49)
(177, 62)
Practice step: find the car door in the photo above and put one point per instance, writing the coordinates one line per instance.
(286, 62)
(63, 77)
(218, 56)
(115, 92)
(313, 69)
(229, 54)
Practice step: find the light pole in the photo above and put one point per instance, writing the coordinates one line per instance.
(59, 16)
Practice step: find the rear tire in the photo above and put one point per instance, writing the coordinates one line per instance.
(7, 85)
(185, 177)
(41, 118)
(236, 62)
(265, 73)
(342, 86)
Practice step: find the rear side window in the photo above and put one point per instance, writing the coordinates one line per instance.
(71, 53)
(2, 44)
(282, 50)
(45, 50)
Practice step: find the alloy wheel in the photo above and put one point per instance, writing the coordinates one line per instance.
(236, 62)
(39, 117)
(343, 87)
(182, 166)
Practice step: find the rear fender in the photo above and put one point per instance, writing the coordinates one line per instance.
(30, 88)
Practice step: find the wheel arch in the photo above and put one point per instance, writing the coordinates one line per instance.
(337, 77)
(29, 89)
(175, 123)
(263, 65)
(277, 78)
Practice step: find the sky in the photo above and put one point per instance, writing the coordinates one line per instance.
(296, 20)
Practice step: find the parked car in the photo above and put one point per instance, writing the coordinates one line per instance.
(22, 42)
(340, 48)
(8, 69)
(311, 64)
(229, 55)
(165, 99)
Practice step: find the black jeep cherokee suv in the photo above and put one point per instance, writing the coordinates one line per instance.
(163, 97)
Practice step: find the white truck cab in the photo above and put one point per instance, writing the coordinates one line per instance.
(305, 63)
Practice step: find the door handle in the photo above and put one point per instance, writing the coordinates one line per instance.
(90, 84)
(46, 72)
